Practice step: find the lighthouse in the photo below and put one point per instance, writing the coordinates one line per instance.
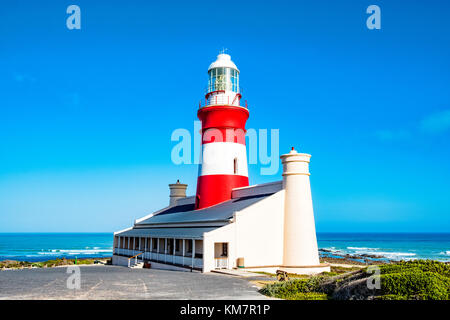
(228, 223)
(223, 166)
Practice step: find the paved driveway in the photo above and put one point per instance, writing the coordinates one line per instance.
(114, 282)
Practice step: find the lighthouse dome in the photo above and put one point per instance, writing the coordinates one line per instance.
(223, 61)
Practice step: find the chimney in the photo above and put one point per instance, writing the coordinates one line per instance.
(177, 191)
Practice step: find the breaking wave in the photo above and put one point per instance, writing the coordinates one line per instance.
(375, 252)
(57, 252)
(332, 249)
(361, 248)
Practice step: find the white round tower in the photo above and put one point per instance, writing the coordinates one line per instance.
(300, 253)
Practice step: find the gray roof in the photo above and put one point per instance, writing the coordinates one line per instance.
(186, 214)
(179, 233)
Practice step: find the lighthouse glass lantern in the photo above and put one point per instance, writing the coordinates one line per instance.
(223, 82)
(223, 79)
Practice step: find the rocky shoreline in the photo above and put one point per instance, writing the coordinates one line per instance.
(329, 256)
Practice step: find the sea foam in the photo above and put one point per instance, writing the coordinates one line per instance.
(74, 251)
(362, 248)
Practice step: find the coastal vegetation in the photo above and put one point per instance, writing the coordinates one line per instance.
(12, 264)
(404, 280)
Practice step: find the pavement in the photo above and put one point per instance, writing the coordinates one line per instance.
(115, 282)
(238, 273)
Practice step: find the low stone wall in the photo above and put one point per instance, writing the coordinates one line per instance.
(157, 265)
(123, 261)
(119, 260)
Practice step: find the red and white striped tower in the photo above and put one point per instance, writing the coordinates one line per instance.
(224, 156)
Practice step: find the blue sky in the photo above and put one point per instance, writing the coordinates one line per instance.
(86, 115)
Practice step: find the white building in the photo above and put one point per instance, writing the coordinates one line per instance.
(229, 224)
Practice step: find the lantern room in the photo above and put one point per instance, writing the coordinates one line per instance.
(223, 82)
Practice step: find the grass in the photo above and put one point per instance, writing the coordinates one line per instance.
(411, 280)
(12, 264)
(290, 275)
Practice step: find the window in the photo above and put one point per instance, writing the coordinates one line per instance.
(189, 245)
(235, 163)
(223, 79)
(178, 245)
(224, 249)
(197, 198)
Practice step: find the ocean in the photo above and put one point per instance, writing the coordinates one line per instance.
(397, 246)
(394, 246)
(34, 247)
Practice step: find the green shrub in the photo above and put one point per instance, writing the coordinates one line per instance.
(37, 264)
(423, 265)
(416, 284)
(413, 280)
(285, 288)
(307, 296)
(85, 261)
(330, 274)
(391, 297)
(299, 289)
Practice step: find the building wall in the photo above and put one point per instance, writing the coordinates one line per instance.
(223, 234)
(259, 232)
(256, 235)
